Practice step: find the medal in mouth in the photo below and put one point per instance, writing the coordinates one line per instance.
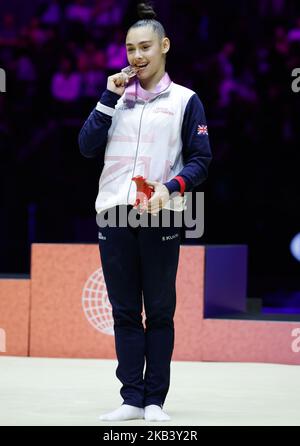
(131, 71)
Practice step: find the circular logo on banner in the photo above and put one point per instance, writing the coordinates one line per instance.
(96, 305)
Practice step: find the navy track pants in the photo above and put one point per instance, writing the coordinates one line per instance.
(140, 265)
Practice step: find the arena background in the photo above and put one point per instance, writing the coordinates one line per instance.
(237, 55)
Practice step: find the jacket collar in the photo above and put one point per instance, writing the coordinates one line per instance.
(134, 90)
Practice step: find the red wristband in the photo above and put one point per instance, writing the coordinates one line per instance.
(181, 182)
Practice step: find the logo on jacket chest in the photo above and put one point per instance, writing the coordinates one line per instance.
(163, 110)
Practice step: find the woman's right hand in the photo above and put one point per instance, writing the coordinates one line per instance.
(117, 83)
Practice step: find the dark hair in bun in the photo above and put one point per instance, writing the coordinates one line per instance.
(146, 11)
(147, 17)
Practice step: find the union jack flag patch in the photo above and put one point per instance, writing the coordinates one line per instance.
(202, 130)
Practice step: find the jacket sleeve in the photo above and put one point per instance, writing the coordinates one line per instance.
(92, 138)
(195, 149)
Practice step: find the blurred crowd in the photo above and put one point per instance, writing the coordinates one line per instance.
(237, 55)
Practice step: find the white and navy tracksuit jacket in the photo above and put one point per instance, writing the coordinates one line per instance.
(161, 135)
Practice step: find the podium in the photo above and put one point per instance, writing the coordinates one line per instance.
(63, 309)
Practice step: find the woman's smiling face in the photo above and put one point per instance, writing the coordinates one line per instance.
(145, 48)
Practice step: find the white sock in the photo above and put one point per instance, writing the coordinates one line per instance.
(155, 413)
(125, 412)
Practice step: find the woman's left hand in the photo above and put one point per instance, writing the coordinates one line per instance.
(159, 198)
